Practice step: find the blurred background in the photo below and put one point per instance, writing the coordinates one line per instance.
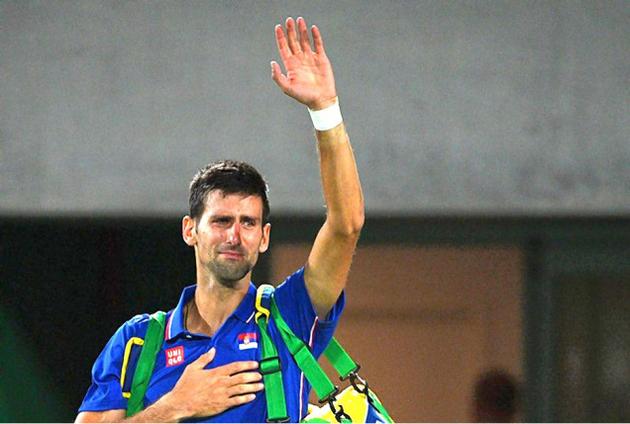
(492, 138)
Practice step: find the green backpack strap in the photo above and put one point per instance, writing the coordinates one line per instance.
(324, 388)
(341, 361)
(270, 362)
(345, 366)
(146, 362)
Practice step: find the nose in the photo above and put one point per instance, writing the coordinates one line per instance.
(234, 234)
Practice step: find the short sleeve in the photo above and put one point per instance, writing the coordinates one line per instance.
(105, 392)
(297, 310)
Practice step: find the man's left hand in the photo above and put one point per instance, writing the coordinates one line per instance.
(309, 78)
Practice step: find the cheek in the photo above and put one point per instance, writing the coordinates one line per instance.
(208, 239)
(254, 240)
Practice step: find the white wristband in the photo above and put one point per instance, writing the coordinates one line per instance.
(328, 118)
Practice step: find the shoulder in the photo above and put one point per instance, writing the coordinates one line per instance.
(294, 281)
(121, 343)
(134, 327)
(294, 302)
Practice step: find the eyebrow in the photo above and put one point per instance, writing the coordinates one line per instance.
(231, 216)
(253, 218)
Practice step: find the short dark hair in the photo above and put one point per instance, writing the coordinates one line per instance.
(230, 177)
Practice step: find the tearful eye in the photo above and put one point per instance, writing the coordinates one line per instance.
(249, 223)
(222, 221)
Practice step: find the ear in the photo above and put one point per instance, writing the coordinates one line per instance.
(264, 242)
(189, 231)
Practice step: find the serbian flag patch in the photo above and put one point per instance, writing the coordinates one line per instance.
(247, 341)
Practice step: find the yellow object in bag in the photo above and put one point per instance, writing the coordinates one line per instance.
(351, 406)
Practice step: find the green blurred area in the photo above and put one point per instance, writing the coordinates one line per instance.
(27, 393)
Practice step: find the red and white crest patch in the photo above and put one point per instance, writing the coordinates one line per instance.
(174, 356)
(247, 341)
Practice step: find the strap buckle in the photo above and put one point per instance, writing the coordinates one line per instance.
(330, 396)
(263, 301)
(356, 381)
(270, 365)
(340, 414)
(280, 420)
(351, 373)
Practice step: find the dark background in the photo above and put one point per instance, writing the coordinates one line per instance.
(67, 284)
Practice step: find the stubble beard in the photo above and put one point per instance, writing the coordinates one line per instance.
(229, 273)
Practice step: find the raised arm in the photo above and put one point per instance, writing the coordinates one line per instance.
(309, 79)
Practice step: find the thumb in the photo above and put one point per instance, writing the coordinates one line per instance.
(278, 77)
(204, 359)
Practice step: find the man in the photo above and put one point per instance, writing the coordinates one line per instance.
(207, 368)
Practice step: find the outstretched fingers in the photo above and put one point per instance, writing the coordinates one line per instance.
(305, 42)
(307, 74)
(318, 42)
(281, 42)
(294, 46)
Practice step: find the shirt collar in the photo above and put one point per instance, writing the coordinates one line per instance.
(175, 323)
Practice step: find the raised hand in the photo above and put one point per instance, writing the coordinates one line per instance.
(201, 392)
(309, 76)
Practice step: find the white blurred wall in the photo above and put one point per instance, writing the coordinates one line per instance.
(485, 107)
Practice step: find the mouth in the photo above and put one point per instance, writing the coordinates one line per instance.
(231, 254)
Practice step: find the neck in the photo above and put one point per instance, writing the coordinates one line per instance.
(213, 304)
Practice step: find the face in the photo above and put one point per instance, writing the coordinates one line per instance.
(228, 237)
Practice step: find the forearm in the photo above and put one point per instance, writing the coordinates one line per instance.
(166, 410)
(340, 182)
(330, 258)
(162, 411)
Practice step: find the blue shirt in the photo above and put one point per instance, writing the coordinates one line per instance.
(236, 340)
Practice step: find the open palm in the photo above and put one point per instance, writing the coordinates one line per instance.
(309, 76)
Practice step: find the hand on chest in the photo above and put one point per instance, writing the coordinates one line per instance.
(240, 343)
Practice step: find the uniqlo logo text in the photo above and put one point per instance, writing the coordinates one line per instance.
(174, 356)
